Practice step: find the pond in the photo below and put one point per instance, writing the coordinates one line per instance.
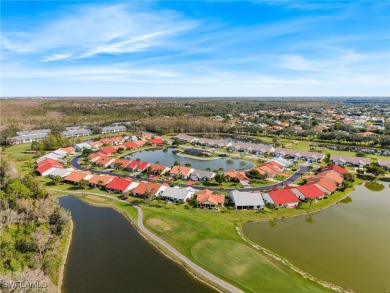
(107, 254)
(168, 158)
(347, 244)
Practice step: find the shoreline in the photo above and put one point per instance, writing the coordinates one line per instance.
(303, 214)
(61, 273)
(238, 229)
(154, 243)
(286, 262)
(197, 158)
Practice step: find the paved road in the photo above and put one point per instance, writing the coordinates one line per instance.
(200, 271)
(303, 169)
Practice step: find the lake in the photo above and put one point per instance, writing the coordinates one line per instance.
(168, 158)
(347, 244)
(107, 254)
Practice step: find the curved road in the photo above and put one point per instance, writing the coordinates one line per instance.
(303, 169)
(187, 261)
(170, 248)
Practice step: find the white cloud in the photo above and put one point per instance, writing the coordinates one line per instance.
(89, 30)
(56, 57)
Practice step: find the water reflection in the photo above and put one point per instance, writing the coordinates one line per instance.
(346, 200)
(309, 219)
(374, 186)
(272, 223)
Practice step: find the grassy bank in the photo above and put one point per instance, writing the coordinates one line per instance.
(207, 237)
(195, 233)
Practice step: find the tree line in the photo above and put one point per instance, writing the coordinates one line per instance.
(33, 228)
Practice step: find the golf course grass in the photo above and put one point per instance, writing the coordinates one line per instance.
(255, 274)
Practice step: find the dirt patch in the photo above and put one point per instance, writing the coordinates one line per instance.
(159, 225)
(95, 198)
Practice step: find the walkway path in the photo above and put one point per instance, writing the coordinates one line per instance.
(199, 270)
(294, 177)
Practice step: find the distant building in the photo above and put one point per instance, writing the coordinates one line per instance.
(76, 131)
(111, 129)
(30, 136)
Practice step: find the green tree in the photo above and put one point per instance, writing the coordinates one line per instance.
(375, 169)
(83, 184)
(188, 164)
(57, 180)
(254, 173)
(37, 146)
(220, 178)
(87, 152)
(18, 190)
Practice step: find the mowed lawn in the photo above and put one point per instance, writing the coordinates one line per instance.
(248, 268)
(208, 238)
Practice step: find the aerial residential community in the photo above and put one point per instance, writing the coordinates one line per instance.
(195, 146)
(235, 176)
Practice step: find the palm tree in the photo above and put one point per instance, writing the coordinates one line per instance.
(177, 163)
(83, 184)
(310, 201)
(57, 180)
(188, 164)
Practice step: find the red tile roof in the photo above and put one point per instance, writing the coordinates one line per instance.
(122, 162)
(120, 184)
(335, 168)
(131, 145)
(109, 150)
(44, 167)
(283, 196)
(96, 143)
(94, 156)
(146, 187)
(117, 139)
(310, 191)
(324, 182)
(140, 142)
(106, 140)
(103, 160)
(47, 160)
(77, 176)
(68, 149)
(207, 195)
(133, 165)
(157, 140)
(142, 165)
(157, 167)
(104, 178)
(277, 165)
(180, 170)
(336, 177)
(241, 176)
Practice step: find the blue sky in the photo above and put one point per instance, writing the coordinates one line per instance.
(200, 48)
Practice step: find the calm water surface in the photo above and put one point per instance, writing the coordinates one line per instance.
(168, 158)
(347, 244)
(108, 255)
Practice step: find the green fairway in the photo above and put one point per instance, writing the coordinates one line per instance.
(248, 268)
(209, 238)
